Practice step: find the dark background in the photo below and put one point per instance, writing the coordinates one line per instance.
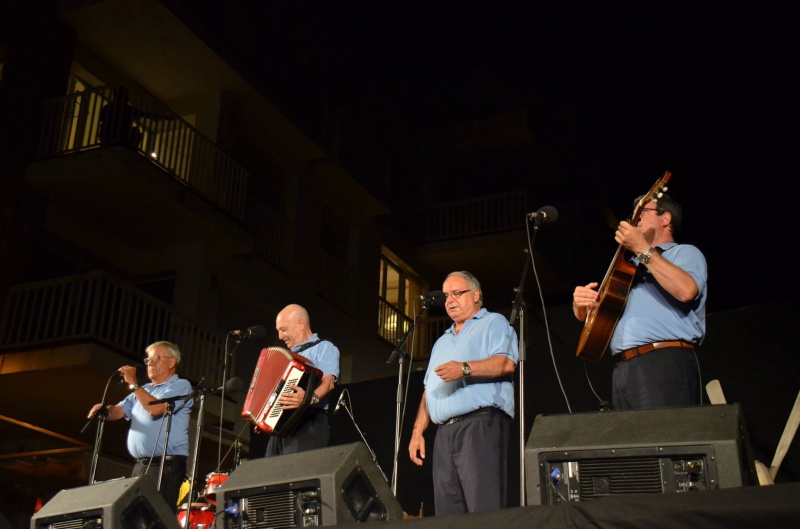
(616, 94)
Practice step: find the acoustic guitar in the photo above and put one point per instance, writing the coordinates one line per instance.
(614, 290)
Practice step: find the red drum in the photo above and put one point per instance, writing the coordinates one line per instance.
(200, 517)
(213, 481)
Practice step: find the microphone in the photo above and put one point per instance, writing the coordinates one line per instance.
(435, 298)
(232, 385)
(256, 331)
(544, 215)
(339, 402)
(141, 371)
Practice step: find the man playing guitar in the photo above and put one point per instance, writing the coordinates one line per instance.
(663, 319)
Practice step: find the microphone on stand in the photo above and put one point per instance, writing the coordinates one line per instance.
(339, 402)
(256, 331)
(232, 385)
(435, 298)
(141, 371)
(544, 215)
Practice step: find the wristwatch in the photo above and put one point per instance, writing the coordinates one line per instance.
(465, 369)
(314, 399)
(134, 387)
(644, 257)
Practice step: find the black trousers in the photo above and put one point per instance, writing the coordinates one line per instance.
(659, 379)
(313, 432)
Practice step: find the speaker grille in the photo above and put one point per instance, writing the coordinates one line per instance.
(602, 477)
(271, 510)
(90, 522)
(277, 507)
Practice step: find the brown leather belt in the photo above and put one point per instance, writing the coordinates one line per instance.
(624, 356)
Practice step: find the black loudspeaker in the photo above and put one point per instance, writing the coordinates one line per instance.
(584, 456)
(328, 486)
(130, 503)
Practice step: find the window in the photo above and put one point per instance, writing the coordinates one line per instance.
(398, 287)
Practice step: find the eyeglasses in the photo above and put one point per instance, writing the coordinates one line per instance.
(645, 210)
(151, 360)
(456, 294)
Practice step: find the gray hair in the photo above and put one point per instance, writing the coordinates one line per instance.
(472, 281)
(173, 349)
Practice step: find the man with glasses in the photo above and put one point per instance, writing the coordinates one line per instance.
(469, 393)
(147, 432)
(664, 318)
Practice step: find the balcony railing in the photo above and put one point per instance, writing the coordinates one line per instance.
(393, 325)
(109, 116)
(469, 218)
(95, 308)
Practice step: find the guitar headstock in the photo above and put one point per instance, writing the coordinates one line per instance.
(658, 189)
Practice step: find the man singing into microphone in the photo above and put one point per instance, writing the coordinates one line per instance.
(146, 434)
(294, 329)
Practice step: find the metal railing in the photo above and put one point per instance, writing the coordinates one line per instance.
(113, 116)
(93, 307)
(469, 218)
(393, 325)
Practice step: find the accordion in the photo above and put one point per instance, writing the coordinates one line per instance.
(277, 370)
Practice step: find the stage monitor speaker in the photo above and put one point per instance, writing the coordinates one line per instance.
(126, 503)
(329, 486)
(583, 456)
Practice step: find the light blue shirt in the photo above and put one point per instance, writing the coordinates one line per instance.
(324, 356)
(484, 335)
(653, 315)
(148, 432)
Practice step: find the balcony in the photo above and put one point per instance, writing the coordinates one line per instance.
(140, 178)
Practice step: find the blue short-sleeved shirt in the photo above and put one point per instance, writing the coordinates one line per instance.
(324, 356)
(484, 335)
(147, 432)
(653, 315)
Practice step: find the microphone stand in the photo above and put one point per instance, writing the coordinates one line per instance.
(202, 389)
(222, 398)
(399, 352)
(170, 402)
(101, 413)
(350, 413)
(519, 307)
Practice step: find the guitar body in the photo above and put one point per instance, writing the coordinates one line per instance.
(613, 292)
(600, 323)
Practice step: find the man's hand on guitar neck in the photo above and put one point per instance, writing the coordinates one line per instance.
(631, 238)
(584, 299)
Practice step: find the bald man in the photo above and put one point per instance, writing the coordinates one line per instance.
(294, 329)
